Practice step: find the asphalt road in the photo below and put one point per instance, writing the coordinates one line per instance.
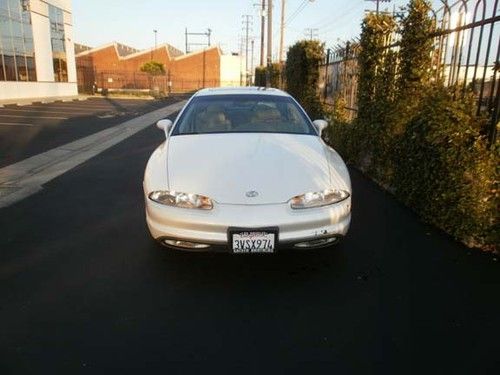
(29, 130)
(85, 290)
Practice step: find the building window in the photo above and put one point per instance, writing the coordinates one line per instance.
(17, 55)
(57, 37)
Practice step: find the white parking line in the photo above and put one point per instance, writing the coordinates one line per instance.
(63, 106)
(14, 124)
(43, 111)
(37, 117)
(21, 179)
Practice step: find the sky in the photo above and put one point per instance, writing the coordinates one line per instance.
(132, 22)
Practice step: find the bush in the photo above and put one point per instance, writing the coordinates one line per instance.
(445, 171)
(302, 75)
(275, 74)
(440, 166)
(418, 139)
(260, 76)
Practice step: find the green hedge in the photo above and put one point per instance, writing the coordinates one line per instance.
(418, 139)
(445, 170)
(440, 166)
(302, 75)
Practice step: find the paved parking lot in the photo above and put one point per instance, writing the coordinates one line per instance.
(85, 289)
(31, 129)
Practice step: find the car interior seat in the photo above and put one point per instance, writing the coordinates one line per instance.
(212, 119)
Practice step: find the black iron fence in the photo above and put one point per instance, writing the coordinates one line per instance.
(136, 82)
(466, 55)
(339, 76)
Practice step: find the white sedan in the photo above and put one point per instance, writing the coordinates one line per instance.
(245, 170)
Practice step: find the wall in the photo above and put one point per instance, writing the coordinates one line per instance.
(193, 71)
(197, 70)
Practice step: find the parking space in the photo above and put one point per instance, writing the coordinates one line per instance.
(28, 130)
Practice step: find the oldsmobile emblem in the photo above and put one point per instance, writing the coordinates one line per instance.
(251, 194)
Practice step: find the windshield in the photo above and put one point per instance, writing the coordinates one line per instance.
(243, 114)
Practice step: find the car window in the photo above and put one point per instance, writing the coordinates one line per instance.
(241, 114)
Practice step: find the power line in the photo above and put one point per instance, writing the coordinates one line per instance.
(332, 22)
(299, 9)
(339, 19)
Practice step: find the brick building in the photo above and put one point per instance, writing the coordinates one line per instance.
(117, 67)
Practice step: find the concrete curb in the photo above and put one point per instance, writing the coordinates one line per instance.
(30, 101)
(24, 178)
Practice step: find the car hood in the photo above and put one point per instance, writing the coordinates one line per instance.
(226, 166)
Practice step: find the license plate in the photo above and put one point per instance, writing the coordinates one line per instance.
(253, 242)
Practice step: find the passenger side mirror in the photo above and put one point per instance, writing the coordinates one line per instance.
(320, 125)
(164, 125)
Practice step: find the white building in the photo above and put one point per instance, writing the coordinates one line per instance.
(37, 58)
(230, 70)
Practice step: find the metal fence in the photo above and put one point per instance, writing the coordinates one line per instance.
(466, 55)
(91, 81)
(339, 76)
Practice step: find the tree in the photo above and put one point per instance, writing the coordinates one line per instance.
(153, 68)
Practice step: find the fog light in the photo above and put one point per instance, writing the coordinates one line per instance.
(317, 243)
(185, 244)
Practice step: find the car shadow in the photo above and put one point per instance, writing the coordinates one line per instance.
(286, 267)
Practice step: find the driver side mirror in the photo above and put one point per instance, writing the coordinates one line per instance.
(164, 125)
(320, 125)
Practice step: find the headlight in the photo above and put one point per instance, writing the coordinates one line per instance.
(318, 199)
(183, 200)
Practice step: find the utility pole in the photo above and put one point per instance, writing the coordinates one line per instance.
(311, 33)
(208, 33)
(251, 63)
(153, 50)
(282, 31)
(262, 31)
(269, 41)
(241, 60)
(378, 3)
(247, 20)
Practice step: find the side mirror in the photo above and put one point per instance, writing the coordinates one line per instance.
(164, 125)
(320, 125)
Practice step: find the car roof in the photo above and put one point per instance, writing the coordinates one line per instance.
(240, 91)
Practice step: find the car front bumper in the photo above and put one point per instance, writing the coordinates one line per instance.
(211, 226)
